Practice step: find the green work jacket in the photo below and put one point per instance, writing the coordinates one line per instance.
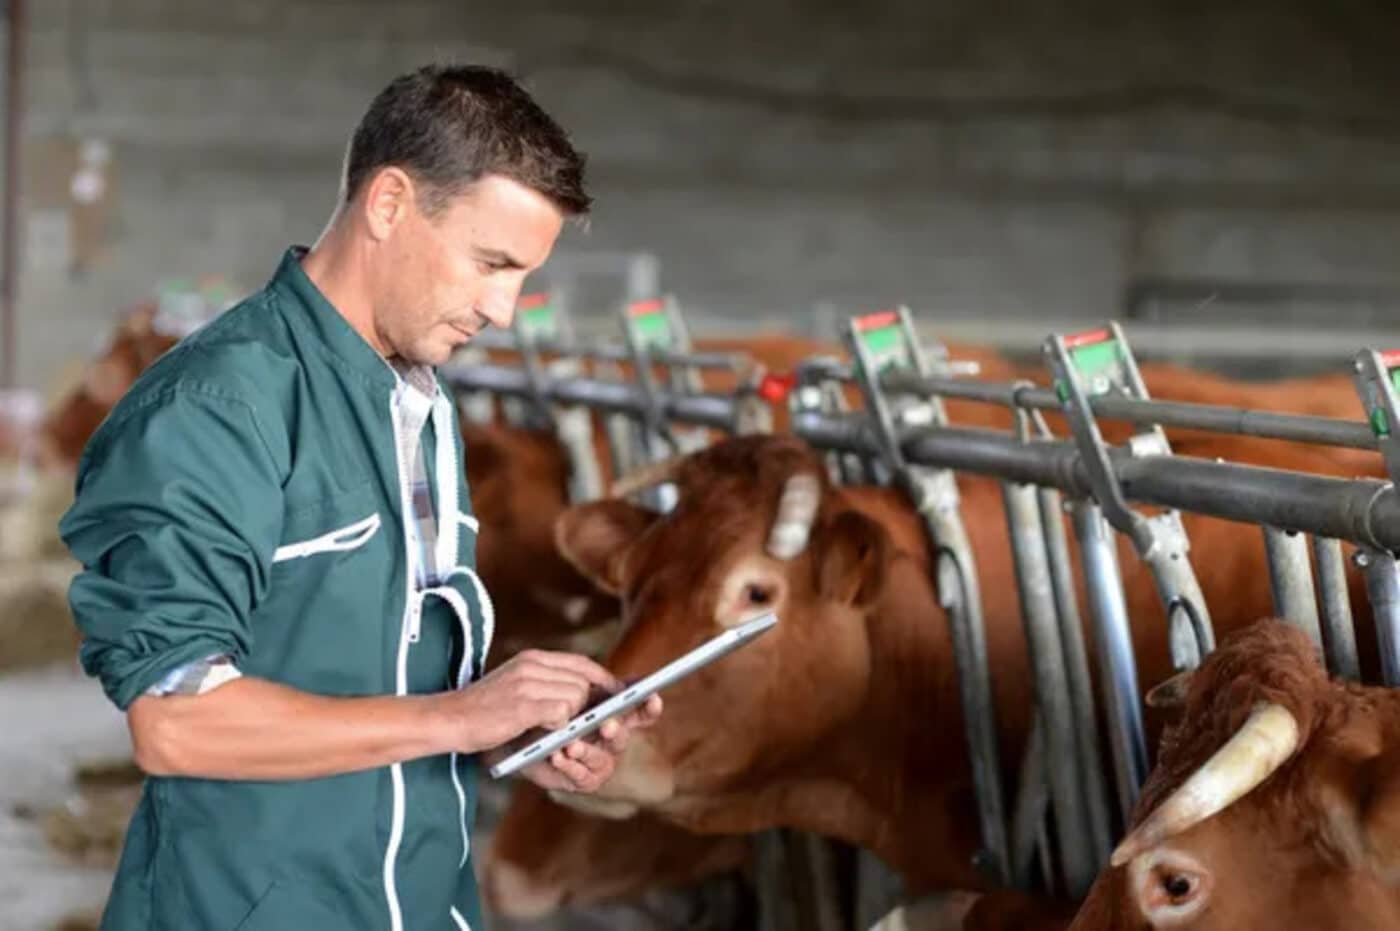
(245, 498)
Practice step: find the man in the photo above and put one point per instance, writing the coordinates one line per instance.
(278, 550)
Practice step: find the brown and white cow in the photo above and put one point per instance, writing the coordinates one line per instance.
(1275, 803)
(845, 719)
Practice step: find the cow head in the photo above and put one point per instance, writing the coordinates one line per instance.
(1275, 802)
(757, 528)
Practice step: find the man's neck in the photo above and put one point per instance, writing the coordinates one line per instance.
(336, 267)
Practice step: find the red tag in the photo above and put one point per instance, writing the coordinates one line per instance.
(642, 308)
(1088, 337)
(531, 301)
(775, 388)
(875, 321)
(1391, 358)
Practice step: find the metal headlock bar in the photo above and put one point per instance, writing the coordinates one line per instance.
(1062, 765)
(887, 341)
(1363, 511)
(1378, 380)
(1099, 363)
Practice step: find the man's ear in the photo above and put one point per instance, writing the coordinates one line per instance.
(595, 537)
(852, 553)
(386, 200)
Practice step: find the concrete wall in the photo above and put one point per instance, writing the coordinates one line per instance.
(982, 162)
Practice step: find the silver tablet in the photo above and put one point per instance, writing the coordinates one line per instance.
(633, 695)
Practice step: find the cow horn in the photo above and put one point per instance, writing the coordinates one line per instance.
(1257, 750)
(647, 476)
(797, 509)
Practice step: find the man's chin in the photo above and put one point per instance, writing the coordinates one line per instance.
(432, 355)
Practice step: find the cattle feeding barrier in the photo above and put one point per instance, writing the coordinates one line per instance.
(1095, 377)
(903, 437)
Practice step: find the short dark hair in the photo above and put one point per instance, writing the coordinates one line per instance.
(447, 126)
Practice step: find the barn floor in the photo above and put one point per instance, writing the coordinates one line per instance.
(52, 720)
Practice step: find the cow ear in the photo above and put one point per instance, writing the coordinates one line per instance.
(1360, 797)
(852, 552)
(595, 537)
(1171, 693)
(1376, 800)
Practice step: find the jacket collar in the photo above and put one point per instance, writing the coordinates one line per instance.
(309, 306)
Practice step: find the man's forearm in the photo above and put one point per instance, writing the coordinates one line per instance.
(254, 729)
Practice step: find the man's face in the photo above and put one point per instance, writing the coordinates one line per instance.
(447, 276)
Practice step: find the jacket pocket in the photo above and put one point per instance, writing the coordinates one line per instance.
(350, 537)
(285, 906)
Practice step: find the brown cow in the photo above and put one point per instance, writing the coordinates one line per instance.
(134, 346)
(569, 870)
(1275, 803)
(844, 720)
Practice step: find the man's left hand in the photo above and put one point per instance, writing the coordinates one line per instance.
(584, 765)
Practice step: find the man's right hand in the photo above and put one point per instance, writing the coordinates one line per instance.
(536, 688)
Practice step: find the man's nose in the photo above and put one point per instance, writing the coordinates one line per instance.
(498, 307)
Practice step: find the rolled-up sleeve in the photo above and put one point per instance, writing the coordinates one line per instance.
(177, 514)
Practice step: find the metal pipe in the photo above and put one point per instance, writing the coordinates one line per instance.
(1052, 688)
(707, 410)
(955, 574)
(1081, 685)
(1383, 587)
(1362, 510)
(1113, 641)
(1212, 418)
(503, 341)
(9, 210)
(1337, 624)
(1028, 815)
(1290, 577)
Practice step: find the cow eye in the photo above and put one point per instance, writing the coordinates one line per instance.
(1177, 886)
(758, 595)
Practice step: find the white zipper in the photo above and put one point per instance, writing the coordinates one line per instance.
(346, 538)
(391, 852)
(469, 521)
(410, 627)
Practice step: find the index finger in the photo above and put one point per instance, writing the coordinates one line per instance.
(581, 666)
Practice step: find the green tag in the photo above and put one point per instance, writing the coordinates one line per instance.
(652, 330)
(887, 347)
(540, 321)
(1100, 366)
(1380, 424)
